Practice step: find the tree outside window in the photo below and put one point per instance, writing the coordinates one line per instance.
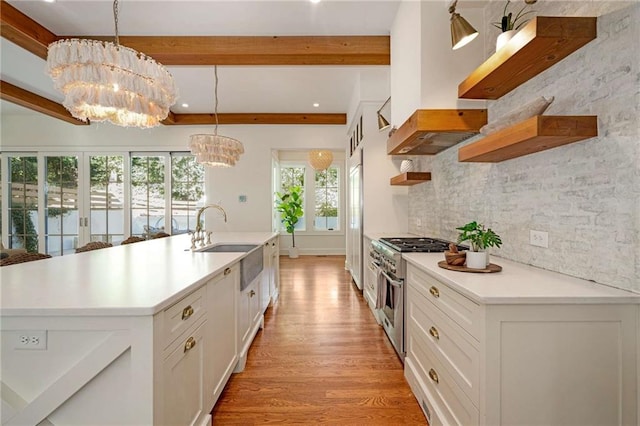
(326, 200)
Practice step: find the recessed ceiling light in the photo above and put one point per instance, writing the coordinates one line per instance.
(316, 105)
(185, 105)
(314, 1)
(49, 1)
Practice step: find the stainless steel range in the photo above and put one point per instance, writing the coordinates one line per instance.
(385, 256)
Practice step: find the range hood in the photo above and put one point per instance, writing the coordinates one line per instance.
(429, 131)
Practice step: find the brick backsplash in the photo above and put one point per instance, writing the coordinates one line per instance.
(585, 195)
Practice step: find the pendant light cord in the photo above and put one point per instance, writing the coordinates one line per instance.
(115, 20)
(215, 95)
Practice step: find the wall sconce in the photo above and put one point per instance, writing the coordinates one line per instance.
(461, 31)
(382, 122)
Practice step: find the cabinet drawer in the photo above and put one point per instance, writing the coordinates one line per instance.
(450, 344)
(182, 315)
(465, 312)
(451, 403)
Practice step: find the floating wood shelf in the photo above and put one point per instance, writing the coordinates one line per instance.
(410, 178)
(535, 134)
(429, 131)
(541, 43)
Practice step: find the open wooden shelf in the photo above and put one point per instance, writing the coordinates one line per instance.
(429, 131)
(410, 178)
(535, 134)
(541, 43)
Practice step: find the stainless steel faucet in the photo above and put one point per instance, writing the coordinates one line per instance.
(199, 234)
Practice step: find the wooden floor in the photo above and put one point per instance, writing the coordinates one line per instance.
(321, 358)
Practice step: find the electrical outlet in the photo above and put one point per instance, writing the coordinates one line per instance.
(539, 238)
(418, 222)
(31, 340)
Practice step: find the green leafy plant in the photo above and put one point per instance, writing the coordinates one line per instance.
(509, 22)
(289, 204)
(478, 236)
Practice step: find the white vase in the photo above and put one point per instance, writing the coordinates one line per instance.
(476, 260)
(406, 166)
(504, 38)
(293, 252)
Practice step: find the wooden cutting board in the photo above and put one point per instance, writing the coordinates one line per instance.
(491, 268)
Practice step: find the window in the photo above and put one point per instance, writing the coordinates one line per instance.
(324, 187)
(187, 191)
(327, 200)
(147, 195)
(106, 178)
(61, 207)
(294, 175)
(22, 203)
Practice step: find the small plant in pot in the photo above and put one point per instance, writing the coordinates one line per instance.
(480, 239)
(510, 24)
(289, 204)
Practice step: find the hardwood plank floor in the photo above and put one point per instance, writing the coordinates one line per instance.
(321, 358)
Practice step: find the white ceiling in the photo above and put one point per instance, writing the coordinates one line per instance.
(284, 89)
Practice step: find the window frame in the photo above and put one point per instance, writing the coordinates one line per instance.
(309, 201)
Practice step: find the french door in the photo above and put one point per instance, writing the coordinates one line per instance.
(57, 202)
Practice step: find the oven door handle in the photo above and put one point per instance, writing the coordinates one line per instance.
(395, 283)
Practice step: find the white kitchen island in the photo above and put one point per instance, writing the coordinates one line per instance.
(139, 334)
(521, 346)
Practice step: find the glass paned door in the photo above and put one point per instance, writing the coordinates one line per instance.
(62, 207)
(107, 195)
(147, 195)
(187, 192)
(22, 203)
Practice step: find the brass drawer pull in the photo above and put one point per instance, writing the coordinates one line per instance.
(187, 312)
(191, 342)
(433, 375)
(434, 291)
(227, 271)
(434, 332)
(252, 293)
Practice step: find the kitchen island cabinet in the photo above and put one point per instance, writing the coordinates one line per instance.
(523, 346)
(138, 334)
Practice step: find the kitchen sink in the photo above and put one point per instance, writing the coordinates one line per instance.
(229, 248)
(250, 265)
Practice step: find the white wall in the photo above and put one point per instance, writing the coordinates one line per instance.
(425, 71)
(250, 177)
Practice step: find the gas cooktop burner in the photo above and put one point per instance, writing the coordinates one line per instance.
(419, 244)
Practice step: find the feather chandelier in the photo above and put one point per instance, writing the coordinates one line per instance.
(104, 81)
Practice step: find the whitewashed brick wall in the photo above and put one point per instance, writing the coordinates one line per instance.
(586, 195)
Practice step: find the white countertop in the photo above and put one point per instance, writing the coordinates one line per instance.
(133, 279)
(520, 284)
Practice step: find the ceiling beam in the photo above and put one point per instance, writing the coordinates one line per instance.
(216, 50)
(262, 50)
(16, 95)
(18, 28)
(255, 118)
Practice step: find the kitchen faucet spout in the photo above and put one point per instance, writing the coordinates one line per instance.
(202, 209)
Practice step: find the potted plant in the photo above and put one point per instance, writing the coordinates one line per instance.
(289, 204)
(509, 25)
(479, 238)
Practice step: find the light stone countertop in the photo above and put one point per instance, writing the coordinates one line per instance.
(134, 279)
(518, 283)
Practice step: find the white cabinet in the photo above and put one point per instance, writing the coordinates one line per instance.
(221, 331)
(250, 319)
(183, 376)
(370, 290)
(265, 278)
(274, 270)
(505, 363)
